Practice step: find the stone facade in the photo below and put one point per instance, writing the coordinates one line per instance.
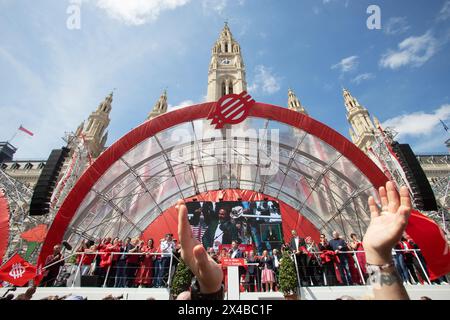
(226, 70)
(160, 106)
(294, 103)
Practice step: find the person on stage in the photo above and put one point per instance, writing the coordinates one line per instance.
(298, 247)
(267, 274)
(313, 263)
(328, 259)
(52, 265)
(145, 272)
(357, 245)
(251, 276)
(340, 247)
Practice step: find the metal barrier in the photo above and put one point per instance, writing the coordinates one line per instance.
(161, 274)
(351, 272)
(119, 272)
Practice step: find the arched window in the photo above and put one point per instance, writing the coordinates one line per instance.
(230, 88)
(89, 125)
(223, 88)
(102, 127)
(226, 47)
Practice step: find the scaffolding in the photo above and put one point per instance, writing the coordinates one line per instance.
(382, 154)
(19, 196)
(441, 186)
(79, 159)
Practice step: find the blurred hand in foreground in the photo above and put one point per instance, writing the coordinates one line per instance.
(208, 272)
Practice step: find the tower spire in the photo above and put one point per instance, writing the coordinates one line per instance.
(98, 121)
(362, 130)
(349, 101)
(160, 106)
(226, 70)
(294, 103)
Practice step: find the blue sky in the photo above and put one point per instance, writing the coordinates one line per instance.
(52, 77)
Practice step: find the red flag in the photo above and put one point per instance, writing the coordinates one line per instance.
(432, 242)
(17, 271)
(36, 234)
(26, 131)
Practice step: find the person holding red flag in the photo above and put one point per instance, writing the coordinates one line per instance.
(52, 265)
(328, 259)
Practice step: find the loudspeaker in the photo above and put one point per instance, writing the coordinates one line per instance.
(40, 201)
(89, 281)
(423, 194)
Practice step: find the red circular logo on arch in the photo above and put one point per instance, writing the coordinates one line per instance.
(231, 109)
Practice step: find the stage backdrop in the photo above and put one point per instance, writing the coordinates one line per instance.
(291, 218)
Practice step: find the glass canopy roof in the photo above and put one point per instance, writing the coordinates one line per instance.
(277, 160)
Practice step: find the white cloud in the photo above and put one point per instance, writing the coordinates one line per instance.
(137, 12)
(325, 2)
(362, 77)
(396, 25)
(217, 6)
(347, 64)
(419, 124)
(414, 51)
(182, 104)
(265, 80)
(444, 14)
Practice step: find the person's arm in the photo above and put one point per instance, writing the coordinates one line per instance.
(385, 230)
(206, 270)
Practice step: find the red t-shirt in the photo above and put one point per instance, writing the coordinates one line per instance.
(115, 248)
(106, 258)
(88, 258)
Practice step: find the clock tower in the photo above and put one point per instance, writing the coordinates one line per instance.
(226, 71)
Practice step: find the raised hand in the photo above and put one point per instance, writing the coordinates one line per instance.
(386, 227)
(208, 272)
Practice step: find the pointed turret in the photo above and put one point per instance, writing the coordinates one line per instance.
(160, 106)
(349, 101)
(376, 122)
(97, 123)
(362, 130)
(226, 70)
(79, 129)
(294, 103)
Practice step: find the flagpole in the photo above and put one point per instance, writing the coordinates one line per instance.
(12, 138)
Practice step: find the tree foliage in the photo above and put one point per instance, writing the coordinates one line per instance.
(288, 282)
(182, 279)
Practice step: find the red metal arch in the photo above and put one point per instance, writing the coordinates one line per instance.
(176, 117)
(4, 224)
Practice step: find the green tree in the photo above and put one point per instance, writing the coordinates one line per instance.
(182, 279)
(288, 282)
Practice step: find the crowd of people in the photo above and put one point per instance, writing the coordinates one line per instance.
(29, 295)
(133, 263)
(116, 263)
(386, 255)
(340, 262)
